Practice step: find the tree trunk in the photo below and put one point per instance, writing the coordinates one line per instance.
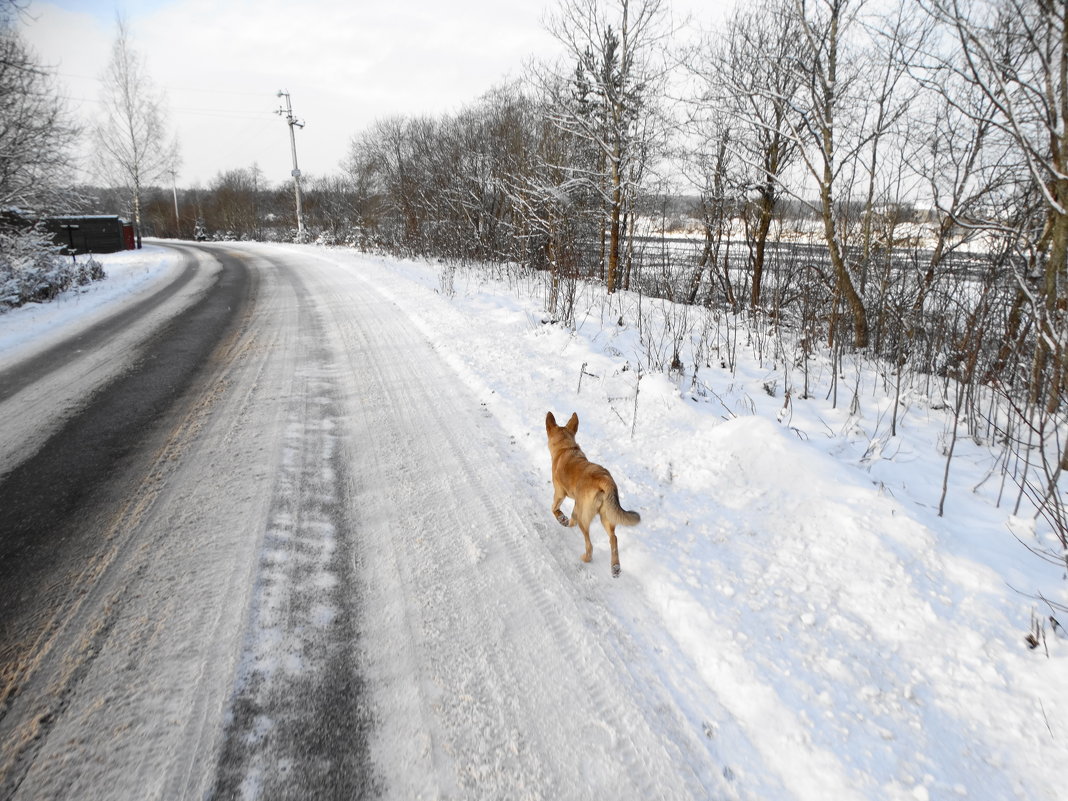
(1049, 346)
(767, 202)
(137, 212)
(613, 229)
(826, 105)
(841, 271)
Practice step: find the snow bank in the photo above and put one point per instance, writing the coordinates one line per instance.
(130, 273)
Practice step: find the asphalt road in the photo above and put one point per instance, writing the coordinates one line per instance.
(111, 552)
(56, 504)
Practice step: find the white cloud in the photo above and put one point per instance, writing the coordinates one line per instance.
(345, 63)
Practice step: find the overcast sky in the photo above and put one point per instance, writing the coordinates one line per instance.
(345, 64)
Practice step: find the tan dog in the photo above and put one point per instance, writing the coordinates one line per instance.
(590, 485)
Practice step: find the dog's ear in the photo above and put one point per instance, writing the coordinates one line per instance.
(572, 424)
(550, 422)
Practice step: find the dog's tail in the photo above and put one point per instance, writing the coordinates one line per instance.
(616, 513)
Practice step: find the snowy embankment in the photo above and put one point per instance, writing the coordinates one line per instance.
(842, 637)
(36, 326)
(29, 332)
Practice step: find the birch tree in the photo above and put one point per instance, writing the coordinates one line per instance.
(829, 75)
(132, 142)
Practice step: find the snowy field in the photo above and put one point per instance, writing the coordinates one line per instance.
(827, 635)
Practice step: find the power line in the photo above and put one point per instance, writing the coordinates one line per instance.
(229, 113)
(198, 90)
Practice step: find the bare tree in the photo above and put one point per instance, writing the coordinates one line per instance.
(36, 131)
(331, 208)
(1017, 55)
(966, 167)
(492, 141)
(1013, 56)
(829, 76)
(896, 37)
(131, 141)
(712, 167)
(234, 203)
(558, 210)
(393, 162)
(748, 71)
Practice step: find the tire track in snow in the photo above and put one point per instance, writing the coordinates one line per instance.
(297, 724)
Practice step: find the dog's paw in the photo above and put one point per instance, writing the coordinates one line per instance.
(562, 518)
(616, 570)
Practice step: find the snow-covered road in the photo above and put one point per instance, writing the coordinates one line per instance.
(335, 573)
(409, 561)
(496, 669)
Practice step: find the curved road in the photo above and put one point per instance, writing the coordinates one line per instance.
(88, 522)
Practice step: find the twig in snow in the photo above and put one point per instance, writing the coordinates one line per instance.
(582, 373)
(637, 389)
(1046, 718)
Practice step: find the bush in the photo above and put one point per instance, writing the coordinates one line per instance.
(32, 269)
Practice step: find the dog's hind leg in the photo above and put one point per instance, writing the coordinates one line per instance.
(585, 528)
(611, 529)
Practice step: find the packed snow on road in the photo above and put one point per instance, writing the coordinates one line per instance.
(794, 620)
